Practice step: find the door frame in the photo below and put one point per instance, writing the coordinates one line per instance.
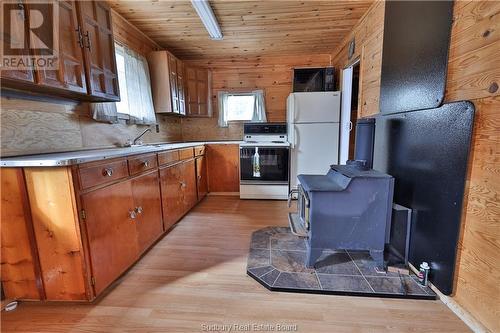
(345, 110)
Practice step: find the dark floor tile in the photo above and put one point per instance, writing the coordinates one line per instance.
(287, 242)
(270, 277)
(259, 271)
(413, 287)
(336, 262)
(260, 240)
(289, 261)
(297, 281)
(344, 283)
(390, 285)
(258, 258)
(368, 266)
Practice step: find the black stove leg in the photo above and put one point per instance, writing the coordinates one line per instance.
(378, 257)
(312, 256)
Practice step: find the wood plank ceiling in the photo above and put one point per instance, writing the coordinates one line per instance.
(250, 28)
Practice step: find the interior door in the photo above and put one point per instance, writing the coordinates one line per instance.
(111, 232)
(71, 72)
(99, 49)
(316, 148)
(147, 201)
(345, 114)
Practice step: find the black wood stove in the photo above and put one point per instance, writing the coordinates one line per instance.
(349, 208)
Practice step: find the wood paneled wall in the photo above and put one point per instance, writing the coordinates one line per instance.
(473, 74)
(272, 74)
(368, 39)
(30, 125)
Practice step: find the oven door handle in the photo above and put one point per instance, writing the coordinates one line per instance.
(295, 190)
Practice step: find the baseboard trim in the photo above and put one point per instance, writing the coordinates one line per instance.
(224, 194)
(457, 309)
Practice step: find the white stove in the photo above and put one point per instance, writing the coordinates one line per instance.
(264, 162)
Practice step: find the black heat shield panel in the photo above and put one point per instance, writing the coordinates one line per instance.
(426, 151)
(415, 57)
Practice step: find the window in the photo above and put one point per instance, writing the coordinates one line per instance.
(246, 106)
(240, 107)
(136, 101)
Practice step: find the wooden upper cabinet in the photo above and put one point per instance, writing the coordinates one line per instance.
(71, 72)
(167, 83)
(99, 49)
(18, 23)
(197, 85)
(181, 87)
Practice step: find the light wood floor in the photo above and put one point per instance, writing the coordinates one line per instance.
(196, 276)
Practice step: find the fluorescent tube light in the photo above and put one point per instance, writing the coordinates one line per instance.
(207, 16)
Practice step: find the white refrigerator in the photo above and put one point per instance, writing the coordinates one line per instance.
(313, 120)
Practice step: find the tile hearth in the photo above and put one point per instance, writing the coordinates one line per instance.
(276, 260)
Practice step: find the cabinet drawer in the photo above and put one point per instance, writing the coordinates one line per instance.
(168, 157)
(102, 173)
(186, 153)
(138, 164)
(199, 150)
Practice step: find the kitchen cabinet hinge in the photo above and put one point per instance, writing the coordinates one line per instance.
(83, 215)
(92, 280)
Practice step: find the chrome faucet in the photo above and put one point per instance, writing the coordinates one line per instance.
(134, 142)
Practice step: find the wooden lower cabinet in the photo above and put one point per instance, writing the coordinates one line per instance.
(111, 232)
(147, 200)
(67, 233)
(178, 188)
(201, 177)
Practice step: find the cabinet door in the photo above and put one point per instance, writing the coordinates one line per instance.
(171, 195)
(146, 192)
(111, 232)
(99, 50)
(202, 88)
(188, 176)
(174, 91)
(15, 38)
(191, 91)
(181, 87)
(201, 177)
(71, 72)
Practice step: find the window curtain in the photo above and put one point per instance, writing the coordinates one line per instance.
(104, 112)
(140, 100)
(135, 92)
(222, 97)
(259, 112)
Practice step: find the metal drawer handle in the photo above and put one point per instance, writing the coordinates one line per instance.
(132, 214)
(138, 210)
(145, 164)
(108, 172)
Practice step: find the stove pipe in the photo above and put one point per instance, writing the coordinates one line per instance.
(365, 139)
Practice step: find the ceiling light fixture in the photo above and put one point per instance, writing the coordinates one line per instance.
(207, 16)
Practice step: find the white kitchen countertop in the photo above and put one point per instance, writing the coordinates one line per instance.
(83, 156)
